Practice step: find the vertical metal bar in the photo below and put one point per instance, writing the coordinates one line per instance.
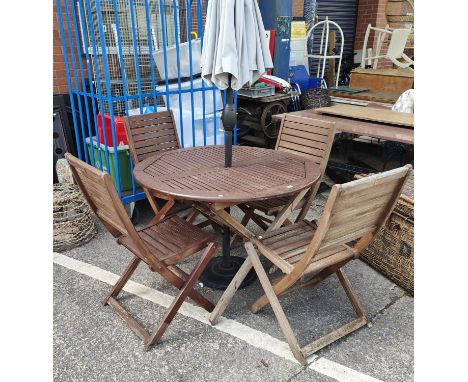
(214, 90)
(150, 47)
(229, 121)
(124, 79)
(226, 261)
(67, 70)
(163, 27)
(121, 56)
(215, 120)
(77, 86)
(200, 35)
(78, 46)
(91, 94)
(189, 22)
(177, 37)
(109, 95)
(135, 54)
(224, 102)
(235, 125)
(99, 92)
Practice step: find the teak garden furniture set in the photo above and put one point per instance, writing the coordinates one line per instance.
(276, 182)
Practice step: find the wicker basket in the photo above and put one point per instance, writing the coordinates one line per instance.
(392, 250)
(73, 221)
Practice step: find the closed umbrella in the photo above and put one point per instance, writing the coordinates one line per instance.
(235, 52)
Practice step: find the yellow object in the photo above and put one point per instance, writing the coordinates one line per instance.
(298, 29)
(194, 34)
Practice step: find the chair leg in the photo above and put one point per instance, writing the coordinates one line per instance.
(345, 329)
(186, 289)
(280, 287)
(274, 302)
(230, 291)
(131, 267)
(192, 216)
(181, 296)
(350, 293)
(193, 294)
(322, 275)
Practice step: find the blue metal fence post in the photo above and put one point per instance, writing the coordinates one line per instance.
(88, 67)
(135, 54)
(109, 96)
(163, 33)
(84, 94)
(189, 37)
(67, 71)
(150, 51)
(200, 36)
(75, 72)
(124, 77)
(99, 92)
(179, 84)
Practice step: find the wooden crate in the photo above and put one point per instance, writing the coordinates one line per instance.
(393, 81)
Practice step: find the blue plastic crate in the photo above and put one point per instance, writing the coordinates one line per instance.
(298, 75)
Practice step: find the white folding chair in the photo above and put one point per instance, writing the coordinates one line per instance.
(396, 46)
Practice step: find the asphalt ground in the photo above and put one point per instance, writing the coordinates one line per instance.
(91, 343)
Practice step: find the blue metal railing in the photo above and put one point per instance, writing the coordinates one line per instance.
(109, 47)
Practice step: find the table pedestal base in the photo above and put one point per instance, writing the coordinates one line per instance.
(218, 276)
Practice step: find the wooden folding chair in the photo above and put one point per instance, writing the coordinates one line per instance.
(160, 245)
(354, 213)
(308, 137)
(149, 134)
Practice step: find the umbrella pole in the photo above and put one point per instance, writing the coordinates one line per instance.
(221, 270)
(229, 121)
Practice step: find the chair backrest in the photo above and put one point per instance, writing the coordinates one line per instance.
(357, 210)
(398, 42)
(148, 134)
(312, 138)
(308, 137)
(100, 193)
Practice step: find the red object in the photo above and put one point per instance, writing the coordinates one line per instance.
(271, 43)
(120, 134)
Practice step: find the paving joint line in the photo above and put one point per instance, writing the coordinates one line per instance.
(290, 379)
(381, 312)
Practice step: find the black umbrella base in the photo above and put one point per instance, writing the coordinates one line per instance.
(217, 276)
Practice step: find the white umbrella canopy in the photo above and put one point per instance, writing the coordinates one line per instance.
(235, 45)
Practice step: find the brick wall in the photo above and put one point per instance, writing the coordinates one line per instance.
(60, 77)
(298, 8)
(370, 12)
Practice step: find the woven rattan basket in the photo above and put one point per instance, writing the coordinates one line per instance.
(392, 250)
(73, 221)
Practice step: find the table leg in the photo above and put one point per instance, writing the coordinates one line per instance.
(226, 243)
(221, 270)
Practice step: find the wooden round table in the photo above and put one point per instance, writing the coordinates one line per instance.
(198, 175)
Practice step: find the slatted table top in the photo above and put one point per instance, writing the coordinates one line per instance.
(198, 174)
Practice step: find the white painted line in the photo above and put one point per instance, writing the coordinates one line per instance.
(252, 336)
